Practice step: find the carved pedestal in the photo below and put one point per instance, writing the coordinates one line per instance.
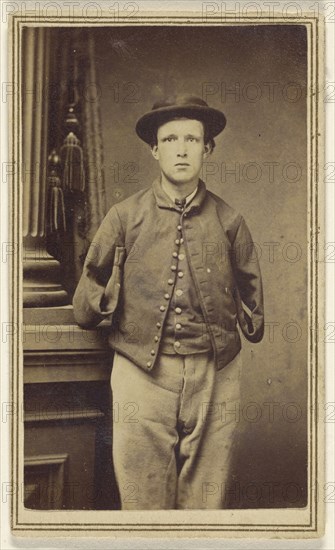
(67, 413)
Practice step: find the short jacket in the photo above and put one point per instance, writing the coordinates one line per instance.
(127, 273)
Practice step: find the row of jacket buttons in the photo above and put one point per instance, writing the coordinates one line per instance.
(179, 292)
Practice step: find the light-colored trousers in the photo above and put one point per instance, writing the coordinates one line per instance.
(173, 431)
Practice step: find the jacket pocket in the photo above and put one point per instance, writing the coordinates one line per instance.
(112, 290)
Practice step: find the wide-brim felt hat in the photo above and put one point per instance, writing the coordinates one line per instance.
(188, 106)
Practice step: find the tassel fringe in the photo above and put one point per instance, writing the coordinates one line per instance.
(57, 220)
(73, 162)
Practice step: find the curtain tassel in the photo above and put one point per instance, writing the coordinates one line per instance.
(57, 221)
(73, 162)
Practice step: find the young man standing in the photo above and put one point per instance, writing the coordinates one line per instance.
(176, 268)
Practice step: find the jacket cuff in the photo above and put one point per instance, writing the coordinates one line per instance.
(88, 313)
(252, 325)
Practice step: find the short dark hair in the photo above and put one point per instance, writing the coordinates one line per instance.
(208, 139)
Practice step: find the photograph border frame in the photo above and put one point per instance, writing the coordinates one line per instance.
(23, 521)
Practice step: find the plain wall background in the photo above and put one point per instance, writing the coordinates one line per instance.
(266, 123)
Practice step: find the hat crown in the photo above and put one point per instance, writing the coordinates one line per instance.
(184, 100)
(179, 106)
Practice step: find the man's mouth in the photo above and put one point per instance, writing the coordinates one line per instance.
(182, 164)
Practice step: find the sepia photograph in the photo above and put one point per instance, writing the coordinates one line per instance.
(168, 213)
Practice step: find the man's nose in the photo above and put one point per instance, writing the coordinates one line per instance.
(182, 148)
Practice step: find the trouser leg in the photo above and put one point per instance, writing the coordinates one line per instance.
(185, 400)
(210, 415)
(145, 407)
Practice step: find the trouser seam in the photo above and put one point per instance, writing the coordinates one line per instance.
(173, 457)
(186, 428)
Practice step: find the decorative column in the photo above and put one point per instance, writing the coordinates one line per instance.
(63, 364)
(41, 272)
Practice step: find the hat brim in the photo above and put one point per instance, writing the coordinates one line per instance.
(148, 124)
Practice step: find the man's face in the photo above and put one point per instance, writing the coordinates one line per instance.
(180, 150)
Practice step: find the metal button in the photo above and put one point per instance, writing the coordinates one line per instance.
(170, 281)
(179, 292)
(178, 310)
(181, 240)
(156, 338)
(152, 352)
(178, 326)
(179, 227)
(166, 296)
(162, 308)
(173, 268)
(177, 241)
(175, 254)
(149, 363)
(177, 344)
(158, 325)
(180, 274)
(181, 257)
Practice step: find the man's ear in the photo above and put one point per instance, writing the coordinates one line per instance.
(207, 150)
(154, 151)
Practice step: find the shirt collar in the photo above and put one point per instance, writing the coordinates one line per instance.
(191, 195)
(193, 201)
